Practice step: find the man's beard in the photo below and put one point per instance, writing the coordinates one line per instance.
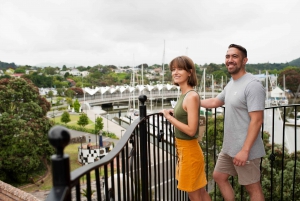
(235, 71)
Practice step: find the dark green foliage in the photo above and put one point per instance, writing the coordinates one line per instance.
(59, 91)
(295, 62)
(83, 120)
(76, 105)
(212, 146)
(24, 127)
(99, 124)
(50, 94)
(70, 93)
(65, 117)
(4, 65)
(282, 174)
(292, 78)
(40, 80)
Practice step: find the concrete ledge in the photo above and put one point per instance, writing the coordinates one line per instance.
(10, 193)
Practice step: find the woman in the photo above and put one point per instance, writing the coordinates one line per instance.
(185, 118)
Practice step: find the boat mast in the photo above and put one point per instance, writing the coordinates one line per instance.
(212, 86)
(143, 74)
(204, 83)
(267, 88)
(163, 78)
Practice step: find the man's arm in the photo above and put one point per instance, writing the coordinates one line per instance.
(211, 103)
(253, 130)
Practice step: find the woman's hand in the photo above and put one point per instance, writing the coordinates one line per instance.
(168, 113)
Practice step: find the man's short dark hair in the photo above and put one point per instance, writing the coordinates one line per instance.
(241, 48)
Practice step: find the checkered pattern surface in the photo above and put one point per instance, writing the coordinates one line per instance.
(87, 156)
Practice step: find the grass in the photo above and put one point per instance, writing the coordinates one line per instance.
(74, 118)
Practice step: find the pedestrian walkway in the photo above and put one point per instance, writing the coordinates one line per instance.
(109, 126)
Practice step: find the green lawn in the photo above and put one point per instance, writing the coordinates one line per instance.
(74, 118)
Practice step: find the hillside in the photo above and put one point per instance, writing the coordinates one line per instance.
(4, 66)
(295, 62)
(266, 66)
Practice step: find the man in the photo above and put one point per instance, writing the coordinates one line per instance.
(244, 99)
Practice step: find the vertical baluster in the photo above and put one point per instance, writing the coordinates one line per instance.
(59, 138)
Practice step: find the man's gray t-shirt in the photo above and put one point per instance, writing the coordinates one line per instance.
(241, 97)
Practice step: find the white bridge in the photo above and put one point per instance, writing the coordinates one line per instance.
(117, 94)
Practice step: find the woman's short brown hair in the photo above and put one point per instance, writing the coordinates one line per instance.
(188, 65)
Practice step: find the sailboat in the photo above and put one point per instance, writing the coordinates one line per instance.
(163, 78)
(132, 112)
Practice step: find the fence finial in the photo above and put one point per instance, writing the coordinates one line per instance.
(143, 99)
(59, 138)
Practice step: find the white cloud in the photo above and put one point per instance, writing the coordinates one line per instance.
(133, 32)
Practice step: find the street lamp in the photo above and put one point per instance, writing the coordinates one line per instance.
(95, 130)
(107, 123)
(121, 133)
(81, 150)
(52, 108)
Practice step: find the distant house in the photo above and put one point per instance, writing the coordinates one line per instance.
(62, 73)
(27, 72)
(75, 72)
(84, 73)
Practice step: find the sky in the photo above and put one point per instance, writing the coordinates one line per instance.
(132, 32)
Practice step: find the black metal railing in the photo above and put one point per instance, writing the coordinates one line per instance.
(142, 165)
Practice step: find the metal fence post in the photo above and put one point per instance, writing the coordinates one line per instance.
(59, 138)
(143, 148)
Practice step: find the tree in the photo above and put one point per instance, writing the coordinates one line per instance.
(292, 78)
(65, 117)
(218, 75)
(76, 105)
(70, 93)
(212, 68)
(20, 70)
(64, 68)
(50, 94)
(59, 91)
(83, 120)
(99, 124)
(24, 127)
(58, 100)
(67, 74)
(50, 70)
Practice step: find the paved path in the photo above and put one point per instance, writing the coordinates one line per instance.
(108, 124)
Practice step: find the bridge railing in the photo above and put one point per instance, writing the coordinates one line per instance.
(142, 164)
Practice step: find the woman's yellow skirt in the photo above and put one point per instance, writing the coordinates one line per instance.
(190, 169)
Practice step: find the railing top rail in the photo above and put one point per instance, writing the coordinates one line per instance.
(282, 106)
